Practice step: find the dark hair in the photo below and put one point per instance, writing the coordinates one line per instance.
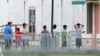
(24, 24)
(78, 24)
(44, 27)
(9, 23)
(54, 26)
(64, 26)
(17, 29)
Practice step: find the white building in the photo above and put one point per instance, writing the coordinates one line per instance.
(13, 10)
(64, 14)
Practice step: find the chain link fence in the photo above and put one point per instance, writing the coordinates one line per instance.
(42, 42)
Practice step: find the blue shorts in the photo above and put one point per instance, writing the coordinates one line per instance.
(18, 44)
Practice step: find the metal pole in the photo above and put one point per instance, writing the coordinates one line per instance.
(61, 13)
(8, 10)
(24, 10)
(42, 15)
(73, 18)
(52, 15)
(7, 1)
(82, 14)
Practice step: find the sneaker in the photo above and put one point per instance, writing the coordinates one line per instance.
(19, 48)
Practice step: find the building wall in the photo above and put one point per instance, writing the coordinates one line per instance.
(97, 18)
(16, 11)
(67, 15)
(3, 12)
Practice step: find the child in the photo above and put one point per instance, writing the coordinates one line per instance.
(25, 32)
(64, 36)
(18, 38)
(45, 43)
(55, 38)
(78, 28)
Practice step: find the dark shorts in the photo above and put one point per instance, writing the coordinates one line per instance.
(78, 42)
(8, 43)
(64, 43)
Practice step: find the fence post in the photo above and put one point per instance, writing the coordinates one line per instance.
(1, 51)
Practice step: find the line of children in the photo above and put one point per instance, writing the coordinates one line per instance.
(64, 36)
(55, 40)
(78, 31)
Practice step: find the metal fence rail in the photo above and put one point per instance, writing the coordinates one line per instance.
(45, 42)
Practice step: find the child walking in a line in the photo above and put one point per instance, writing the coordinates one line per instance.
(78, 28)
(64, 36)
(18, 38)
(25, 40)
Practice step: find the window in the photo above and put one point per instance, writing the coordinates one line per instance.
(32, 20)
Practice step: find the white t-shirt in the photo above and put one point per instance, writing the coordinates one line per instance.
(79, 32)
(25, 31)
(55, 31)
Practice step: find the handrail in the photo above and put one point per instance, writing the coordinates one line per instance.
(15, 25)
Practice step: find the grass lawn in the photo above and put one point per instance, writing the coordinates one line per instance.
(52, 54)
(28, 53)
